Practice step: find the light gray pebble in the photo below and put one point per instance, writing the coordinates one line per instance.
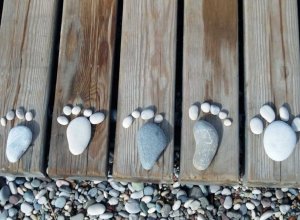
(3, 214)
(26, 208)
(137, 186)
(147, 199)
(148, 191)
(132, 206)
(96, 209)
(60, 202)
(227, 202)
(117, 186)
(133, 217)
(267, 194)
(106, 215)
(42, 200)
(233, 215)
(40, 194)
(204, 202)
(194, 205)
(13, 188)
(35, 183)
(226, 192)
(114, 193)
(137, 195)
(214, 188)
(113, 201)
(93, 192)
(4, 194)
(195, 192)
(176, 205)
(165, 210)
(266, 202)
(250, 206)
(60, 217)
(123, 214)
(279, 194)
(180, 193)
(284, 209)
(79, 216)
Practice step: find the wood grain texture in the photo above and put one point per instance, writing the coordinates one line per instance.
(84, 78)
(26, 36)
(147, 78)
(271, 75)
(210, 72)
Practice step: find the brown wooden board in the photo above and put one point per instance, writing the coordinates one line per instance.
(210, 72)
(84, 78)
(26, 36)
(271, 42)
(147, 78)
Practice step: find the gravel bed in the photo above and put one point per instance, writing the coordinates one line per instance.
(27, 198)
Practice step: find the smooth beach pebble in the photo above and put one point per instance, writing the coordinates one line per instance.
(3, 121)
(76, 110)
(62, 120)
(127, 122)
(267, 113)
(279, 140)
(10, 115)
(96, 209)
(284, 113)
(97, 118)
(136, 114)
(256, 125)
(19, 139)
(205, 107)
(214, 109)
(87, 112)
(147, 114)
(78, 135)
(296, 124)
(207, 140)
(223, 115)
(227, 122)
(20, 113)
(158, 118)
(193, 112)
(28, 116)
(67, 110)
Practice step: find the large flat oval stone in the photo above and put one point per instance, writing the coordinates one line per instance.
(151, 141)
(78, 135)
(18, 140)
(207, 141)
(279, 140)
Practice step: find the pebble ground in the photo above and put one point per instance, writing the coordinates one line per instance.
(27, 198)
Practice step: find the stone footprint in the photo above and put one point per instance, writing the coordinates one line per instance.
(151, 139)
(280, 138)
(205, 134)
(19, 137)
(79, 130)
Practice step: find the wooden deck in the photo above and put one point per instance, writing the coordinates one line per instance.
(117, 56)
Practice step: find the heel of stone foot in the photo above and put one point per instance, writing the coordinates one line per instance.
(19, 137)
(151, 139)
(205, 134)
(206, 107)
(79, 130)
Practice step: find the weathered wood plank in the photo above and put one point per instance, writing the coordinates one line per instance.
(26, 36)
(210, 72)
(271, 75)
(147, 78)
(84, 78)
